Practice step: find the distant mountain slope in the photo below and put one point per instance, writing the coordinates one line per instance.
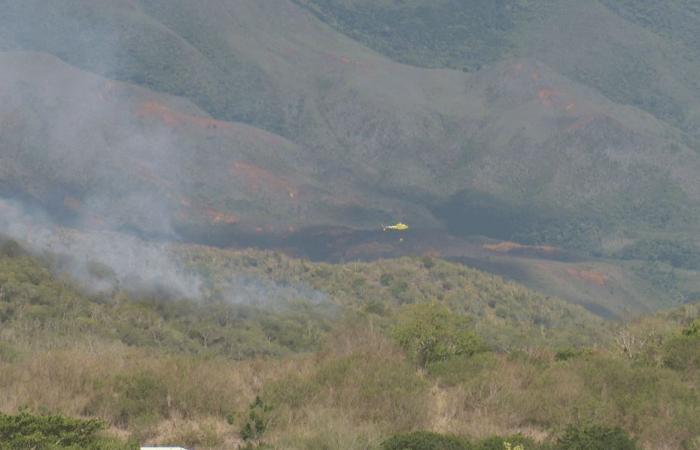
(642, 53)
(106, 154)
(519, 149)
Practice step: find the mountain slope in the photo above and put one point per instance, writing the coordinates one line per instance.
(516, 150)
(641, 53)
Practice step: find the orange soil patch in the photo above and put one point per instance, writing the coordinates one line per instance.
(171, 118)
(9, 118)
(590, 276)
(506, 247)
(259, 179)
(581, 123)
(95, 222)
(547, 96)
(218, 217)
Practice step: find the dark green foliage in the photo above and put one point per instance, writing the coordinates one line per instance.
(425, 440)
(26, 431)
(257, 421)
(431, 333)
(459, 34)
(595, 438)
(498, 443)
(567, 354)
(693, 330)
(386, 279)
(476, 213)
(10, 248)
(683, 352)
(428, 262)
(140, 398)
(683, 254)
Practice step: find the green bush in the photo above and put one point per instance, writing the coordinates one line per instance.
(431, 333)
(693, 330)
(257, 420)
(10, 248)
(595, 438)
(499, 443)
(425, 440)
(26, 431)
(142, 397)
(682, 353)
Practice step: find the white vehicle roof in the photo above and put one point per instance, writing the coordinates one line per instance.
(163, 448)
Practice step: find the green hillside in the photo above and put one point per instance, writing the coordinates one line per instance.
(460, 353)
(274, 305)
(636, 52)
(543, 144)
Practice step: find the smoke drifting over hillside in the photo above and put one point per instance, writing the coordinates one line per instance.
(105, 261)
(74, 155)
(74, 144)
(87, 172)
(100, 260)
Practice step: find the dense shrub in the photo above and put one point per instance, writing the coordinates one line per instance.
(425, 440)
(26, 431)
(595, 438)
(431, 333)
(512, 443)
(142, 396)
(682, 352)
(257, 421)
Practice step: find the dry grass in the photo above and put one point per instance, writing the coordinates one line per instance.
(357, 391)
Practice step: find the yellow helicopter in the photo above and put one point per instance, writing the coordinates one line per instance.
(398, 227)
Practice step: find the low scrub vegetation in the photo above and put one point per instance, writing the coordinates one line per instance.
(420, 373)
